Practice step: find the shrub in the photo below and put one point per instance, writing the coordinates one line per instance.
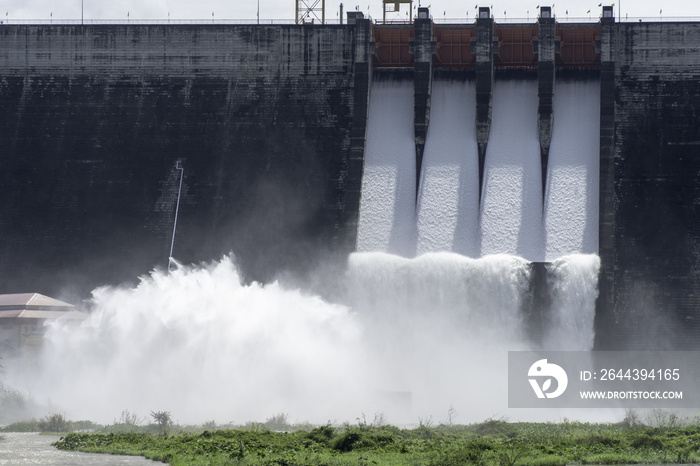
(494, 427)
(648, 442)
(348, 441)
(278, 422)
(210, 425)
(473, 452)
(322, 435)
(54, 423)
(163, 421)
(128, 419)
(600, 439)
(22, 426)
(85, 425)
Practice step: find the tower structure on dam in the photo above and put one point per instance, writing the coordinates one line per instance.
(270, 122)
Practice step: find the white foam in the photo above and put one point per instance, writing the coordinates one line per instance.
(387, 203)
(448, 206)
(199, 343)
(439, 323)
(573, 287)
(407, 338)
(571, 203)
(511, 210)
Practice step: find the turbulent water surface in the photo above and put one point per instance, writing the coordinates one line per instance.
(405, 337)
(31, 448)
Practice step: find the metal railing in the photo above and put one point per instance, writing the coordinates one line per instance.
(438, 19)
(565, 19)
(126, 21)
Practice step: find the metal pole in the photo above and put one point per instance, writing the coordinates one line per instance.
(82, 9)
(177, 208)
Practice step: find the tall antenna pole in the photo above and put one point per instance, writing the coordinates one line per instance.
(177, 209)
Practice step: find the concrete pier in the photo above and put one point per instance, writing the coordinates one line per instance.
(547, 47)
(606, 232)
(484, 48)
(423, 48)
(350, 181)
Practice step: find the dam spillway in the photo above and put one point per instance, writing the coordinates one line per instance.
(511, 214)
(271, 125)
(448, 202)
(447, 215)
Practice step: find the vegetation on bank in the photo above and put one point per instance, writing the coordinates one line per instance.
(58, 424)
(54, 423)
(493, 442)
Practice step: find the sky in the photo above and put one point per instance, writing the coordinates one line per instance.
(15, 10)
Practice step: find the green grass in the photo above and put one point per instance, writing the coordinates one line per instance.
(493, 442)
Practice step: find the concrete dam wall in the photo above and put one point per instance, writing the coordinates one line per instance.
(653, 236)
(94, 120)
(270, 125)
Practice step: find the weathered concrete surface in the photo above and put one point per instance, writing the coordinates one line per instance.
(606, 197)
(94, 118)
(423, 48)
(546, 52)
(364, 50)
(656, 253)
(484, 48)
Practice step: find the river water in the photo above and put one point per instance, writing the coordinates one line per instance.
(33, 448)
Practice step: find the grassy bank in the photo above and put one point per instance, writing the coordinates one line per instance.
(493, 442)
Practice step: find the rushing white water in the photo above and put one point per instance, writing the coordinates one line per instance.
(448, 206)
(511, 219)
(406, 338)
(572, 284)
(387, 203)
(436, 322)
(202, 345)
(511, 209)
(571, 203)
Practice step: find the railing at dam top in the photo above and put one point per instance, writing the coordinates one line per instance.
(441, 20)
(516, 45)
(437, 19)
(146, 22)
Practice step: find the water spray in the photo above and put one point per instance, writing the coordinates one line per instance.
(177, 209)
